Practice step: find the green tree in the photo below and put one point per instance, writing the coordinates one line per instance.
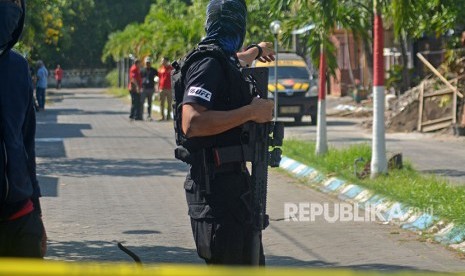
(258, 21)
(325, 15)
(73, 32)
(170, 29)
(93, 26)
(43, 25)
(412, 19)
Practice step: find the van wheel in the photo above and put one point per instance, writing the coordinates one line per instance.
(298, 119)
(314, 120)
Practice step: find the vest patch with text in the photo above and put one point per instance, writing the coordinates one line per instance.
(200, 92)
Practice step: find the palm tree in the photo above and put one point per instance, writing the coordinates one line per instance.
(326, 15)
(171, 28)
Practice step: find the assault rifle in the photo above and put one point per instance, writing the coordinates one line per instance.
(265, 136)
(259, 145)
(256, 142)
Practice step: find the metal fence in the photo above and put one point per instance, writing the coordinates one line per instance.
(74, 78)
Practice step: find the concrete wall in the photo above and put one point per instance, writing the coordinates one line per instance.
(73, 78)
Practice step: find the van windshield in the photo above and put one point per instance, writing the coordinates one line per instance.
(289, 72)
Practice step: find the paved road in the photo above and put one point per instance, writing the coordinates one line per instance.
(105, 180)
(429, 153)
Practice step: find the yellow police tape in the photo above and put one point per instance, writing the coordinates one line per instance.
(13, 267)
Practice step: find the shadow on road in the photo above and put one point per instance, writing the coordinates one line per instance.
(294, 124)
(328, 123)
(48, 186)
(56, 96)
(446, 172)
(88, 167)
(50, 115)
(292, 262)
(106, 251)
(141, 232)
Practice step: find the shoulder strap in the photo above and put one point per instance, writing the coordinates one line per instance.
(202, 51)
(198, 53)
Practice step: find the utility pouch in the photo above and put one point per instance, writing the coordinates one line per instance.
(183, 154)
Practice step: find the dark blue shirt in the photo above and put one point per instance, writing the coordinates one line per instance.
(19, 123)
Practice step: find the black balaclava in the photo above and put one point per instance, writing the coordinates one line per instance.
(226, 24)
(11, 24)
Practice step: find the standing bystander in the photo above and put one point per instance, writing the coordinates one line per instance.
(166, 93)
(135, 86)
(148, 86)
(58, 76)
(42, 76)
(32, 72)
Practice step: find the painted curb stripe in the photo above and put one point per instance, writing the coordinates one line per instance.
(398, 213)
(455, 235)
(352, 192)
(363, 196)
(333, 185)
(376, 200)
(299, 169)
(306, 172)
(423, 222)
(450, 235)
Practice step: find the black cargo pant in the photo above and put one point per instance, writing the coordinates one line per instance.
(22, 237)
(221, 222)
(147, 94)
(136, 106)
(224, 241)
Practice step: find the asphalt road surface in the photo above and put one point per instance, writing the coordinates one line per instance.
(105, 180)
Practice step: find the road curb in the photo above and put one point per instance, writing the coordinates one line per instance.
(447, 234)
(405, 217)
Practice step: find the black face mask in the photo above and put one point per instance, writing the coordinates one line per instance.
(10, 14)
(226, 23)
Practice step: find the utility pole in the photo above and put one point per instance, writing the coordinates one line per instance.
(321, 137)
(378, 157)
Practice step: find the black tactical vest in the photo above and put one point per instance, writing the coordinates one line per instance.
(236, 93)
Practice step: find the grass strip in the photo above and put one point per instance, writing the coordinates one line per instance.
(118, 92)
(427, 192)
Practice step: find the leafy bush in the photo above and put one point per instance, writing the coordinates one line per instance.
(112, 78)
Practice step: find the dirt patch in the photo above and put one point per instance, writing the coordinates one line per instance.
(405, 121)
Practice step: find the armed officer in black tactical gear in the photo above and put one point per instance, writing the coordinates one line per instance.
(217, 101)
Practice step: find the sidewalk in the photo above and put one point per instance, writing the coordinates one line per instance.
(105, 179)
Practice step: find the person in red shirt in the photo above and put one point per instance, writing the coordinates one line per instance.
(58, 76)
(135, 89)
(164, 86)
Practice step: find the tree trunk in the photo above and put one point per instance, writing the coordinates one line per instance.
(405, 71)
(347, 49)
(321, 139)
(368, 50)
(378, 159)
